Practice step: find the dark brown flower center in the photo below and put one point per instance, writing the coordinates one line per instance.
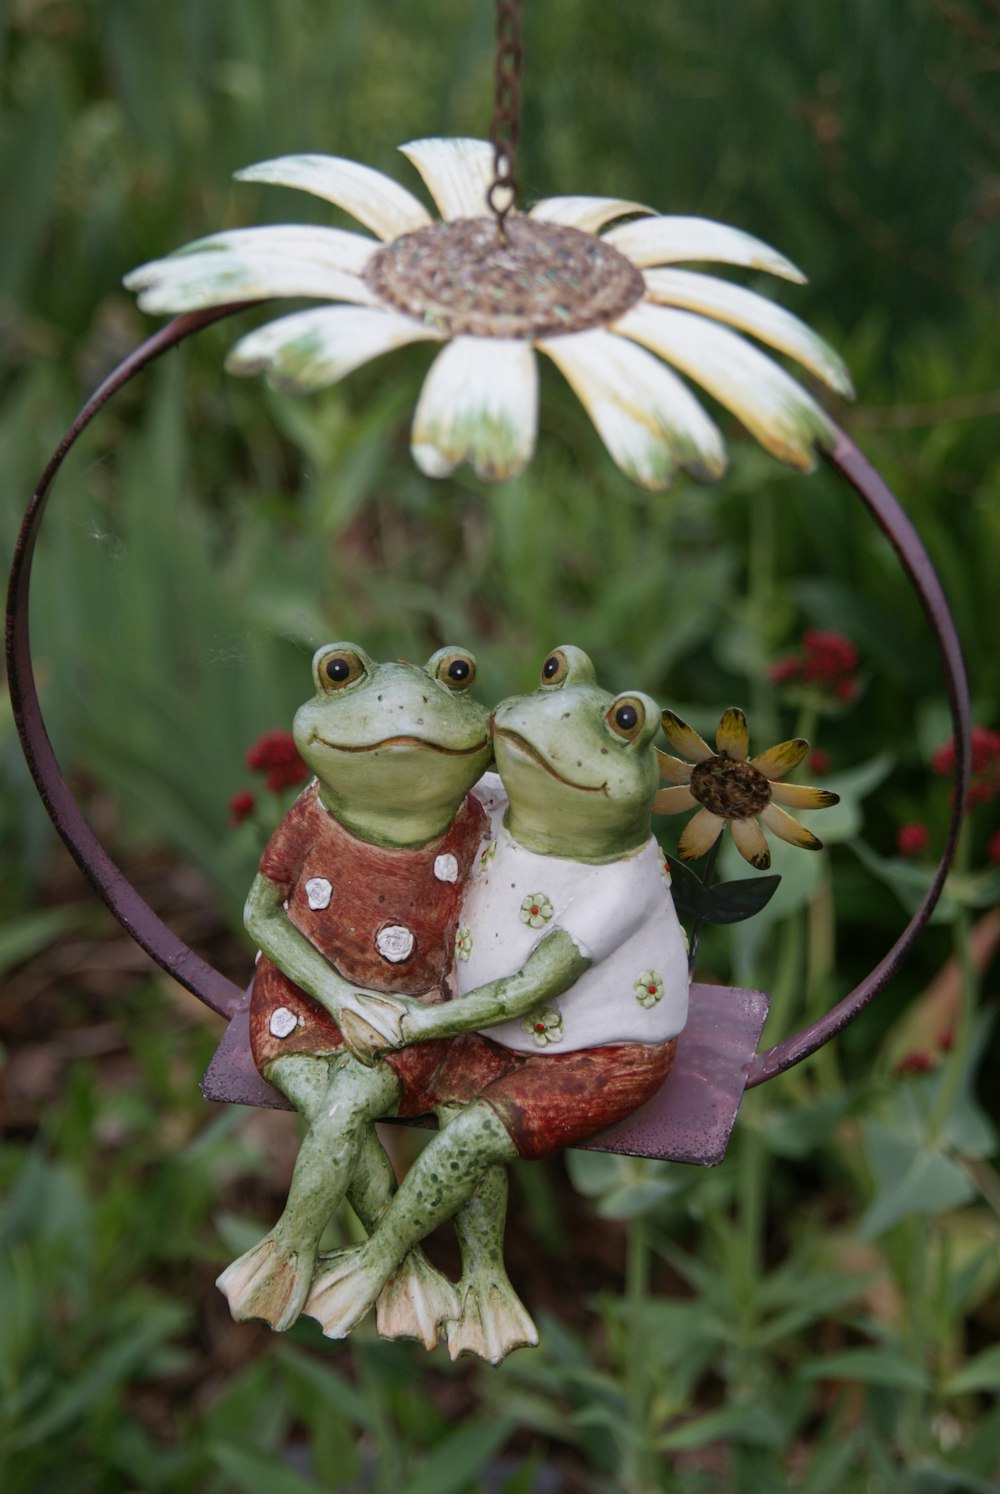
(730, 788)
(542, 279)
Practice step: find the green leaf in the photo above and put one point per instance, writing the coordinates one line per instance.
(256, 1472)
(731, 902)
(459, 1457)
(22, 937)
(913, 1179)
(690, 895)
(980, 1373)
(871, 1367)
(747, 1424)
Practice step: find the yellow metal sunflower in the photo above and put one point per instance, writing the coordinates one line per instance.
(605, 307)
(729, 788)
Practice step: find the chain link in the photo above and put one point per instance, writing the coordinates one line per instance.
(505, 127)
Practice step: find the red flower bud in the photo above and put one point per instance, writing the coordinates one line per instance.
(241, 806)
(912, 839)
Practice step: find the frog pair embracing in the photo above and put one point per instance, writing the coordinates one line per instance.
(505, 955)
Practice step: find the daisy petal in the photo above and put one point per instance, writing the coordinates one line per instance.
(733, 737)
(800, 796)
(647, 419)
(750, 842)
(700, 834)
(588, 214)
(373, 198)
(785, 419)
(672, 769)
(685, 739)
(312, 349)
(337, 248)
(664, 241)
(673, 800)
(479, 404)
(187, 282)
(458, 173)
(776, 762)
(754, 314)
(788, 829)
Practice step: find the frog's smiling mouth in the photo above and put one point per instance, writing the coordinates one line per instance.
(522, 745)
(402, 742)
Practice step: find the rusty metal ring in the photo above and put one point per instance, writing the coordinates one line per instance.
(215, 989)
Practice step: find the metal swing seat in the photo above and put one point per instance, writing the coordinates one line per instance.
(690, 1120)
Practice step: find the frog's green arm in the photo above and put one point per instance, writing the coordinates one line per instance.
(551, 968)
(278, 938)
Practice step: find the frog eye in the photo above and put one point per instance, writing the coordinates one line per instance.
(339, 668)
(626, 717)
(555, 668)
(456, 670)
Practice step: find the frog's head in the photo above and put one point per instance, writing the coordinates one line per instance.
(396, 747)
(578, 763)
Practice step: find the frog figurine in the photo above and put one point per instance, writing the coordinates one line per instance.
(360, 889)
(572, 969)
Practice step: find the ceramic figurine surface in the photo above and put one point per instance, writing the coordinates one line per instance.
(359, 888)
(571, 979)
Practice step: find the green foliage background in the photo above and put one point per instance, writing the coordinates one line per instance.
(208, 535)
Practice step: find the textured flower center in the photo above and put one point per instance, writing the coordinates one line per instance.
(735, 790)
(543, 278)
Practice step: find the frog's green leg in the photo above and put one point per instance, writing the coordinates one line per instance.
(443, 1178)
(416, 1298)
(493, 1320)
(340, 1099)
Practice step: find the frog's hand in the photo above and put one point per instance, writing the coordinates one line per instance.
(288, 948)
(372, 1023)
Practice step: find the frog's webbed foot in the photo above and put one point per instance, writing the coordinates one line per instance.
(493, 1319)
(271, 1281)
(345, 1290)
(414, 1300)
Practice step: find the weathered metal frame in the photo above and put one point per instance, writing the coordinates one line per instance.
(226, 998)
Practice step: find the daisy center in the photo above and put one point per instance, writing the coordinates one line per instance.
(732, 789)
(543, 278)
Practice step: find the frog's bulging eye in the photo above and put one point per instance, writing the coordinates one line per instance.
(626, 718)
(457, 671)
(340, 669)
(555, 668)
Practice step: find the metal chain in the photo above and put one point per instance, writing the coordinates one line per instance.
(505, 126)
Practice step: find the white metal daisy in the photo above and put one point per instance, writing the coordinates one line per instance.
(606, 307)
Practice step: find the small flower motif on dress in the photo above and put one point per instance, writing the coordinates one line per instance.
(664, 868)
(486, 856)
(545, 1027)
(318, 893)
(283, 1022)
(648, 988)
(463, 943)
(446, 867)
(536, 909)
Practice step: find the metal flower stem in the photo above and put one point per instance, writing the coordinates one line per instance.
(505, 126)
(699, 923)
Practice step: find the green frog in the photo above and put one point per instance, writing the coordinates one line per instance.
(572, 979)
(359, 891)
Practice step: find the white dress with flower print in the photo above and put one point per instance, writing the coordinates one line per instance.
(621, 917)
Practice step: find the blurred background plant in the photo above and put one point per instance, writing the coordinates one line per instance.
(819, 1312)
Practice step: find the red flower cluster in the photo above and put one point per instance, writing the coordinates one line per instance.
(985, 784)
(912, 839)
(276, 755)
(922, 1062)
(828, 661)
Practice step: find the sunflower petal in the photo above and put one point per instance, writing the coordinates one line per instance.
(754, 314)
(785, 419)
(749, 840)
(373, 198)
(700, 834)
(778, 761)
(588, 214)
(732, 737)
(647, 419)
(312, 349)
(457, 172)
(663, 241)
(674, 800)
(800, 796)
(672, 769)
(788, 829)
(684, 739)
(479, 404)
(187, 282)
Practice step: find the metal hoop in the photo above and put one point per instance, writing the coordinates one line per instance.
(215, 989)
